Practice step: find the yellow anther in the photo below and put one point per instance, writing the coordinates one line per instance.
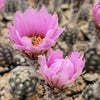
(36, 40)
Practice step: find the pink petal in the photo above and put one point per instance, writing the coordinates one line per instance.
(19, 23)
(68, 68)
(30, 10)
(26, 41)
(78, 73)
(63, 78)
(47, 43)
(49, 34)
(74, 56)
(56, 66)
(55, 55)
(50, 51)
(97, 16)
(42, 62)
(43, 10)
(32, 49)
(56, 35)
(19, 47)
(80, 62)
(55, 22)
(46, 72)
(13, 34)
(27, 49)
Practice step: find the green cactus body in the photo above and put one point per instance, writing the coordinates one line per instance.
(67, 1)
(83, 14)
(91, 26)
(88, 94)
(6, 56)
(76, 4)
(11, 6)
(92, 64)
(70, 34)
(96, 88)
(46, 2)
(81, 46)
(92, 92)
(75, 7)
(22, 82)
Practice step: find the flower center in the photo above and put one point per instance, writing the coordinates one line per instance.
(36, 40)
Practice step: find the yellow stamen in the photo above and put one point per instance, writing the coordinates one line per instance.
(36, 40)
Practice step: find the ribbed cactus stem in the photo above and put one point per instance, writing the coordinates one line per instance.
(51, 94)
(38, 4)
(22, 82)
(92, 92)
(94, 33)
(11, 6)
(93, 41)
(33, 63)
(75, 7)
(97, 30)
(56, 4)
(67, 1)
(97, 89)
(77, 4)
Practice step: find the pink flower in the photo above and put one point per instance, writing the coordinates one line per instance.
(59, 72)
(34, 31)
(2, 4)
(96, 12)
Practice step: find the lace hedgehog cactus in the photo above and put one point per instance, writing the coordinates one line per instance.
(46, 2)
(11, 6)
(83, 13)
(70, 34)
(92, 64)
(56, 7)
(88, 93)
(91, 26)
(67, 1)
(92, 92)
(6, 56)
(96, 89)
(22, 82)
(75, 7)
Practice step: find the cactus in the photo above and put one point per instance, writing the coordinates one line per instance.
(97, 31)
(6, 56)
(91, 26)
(75, 7)
(11, 6)
(38, 4)
(92, 58)
(92, 2)
(67, 1)
(83, 13)
(51, 94)
(56, 4)
(56, 7)
(81, 46)
(92, 92)
(22, 82)
(88, 93)
(76, 4)
(96, 89)
(46, 2)
(70, 34)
